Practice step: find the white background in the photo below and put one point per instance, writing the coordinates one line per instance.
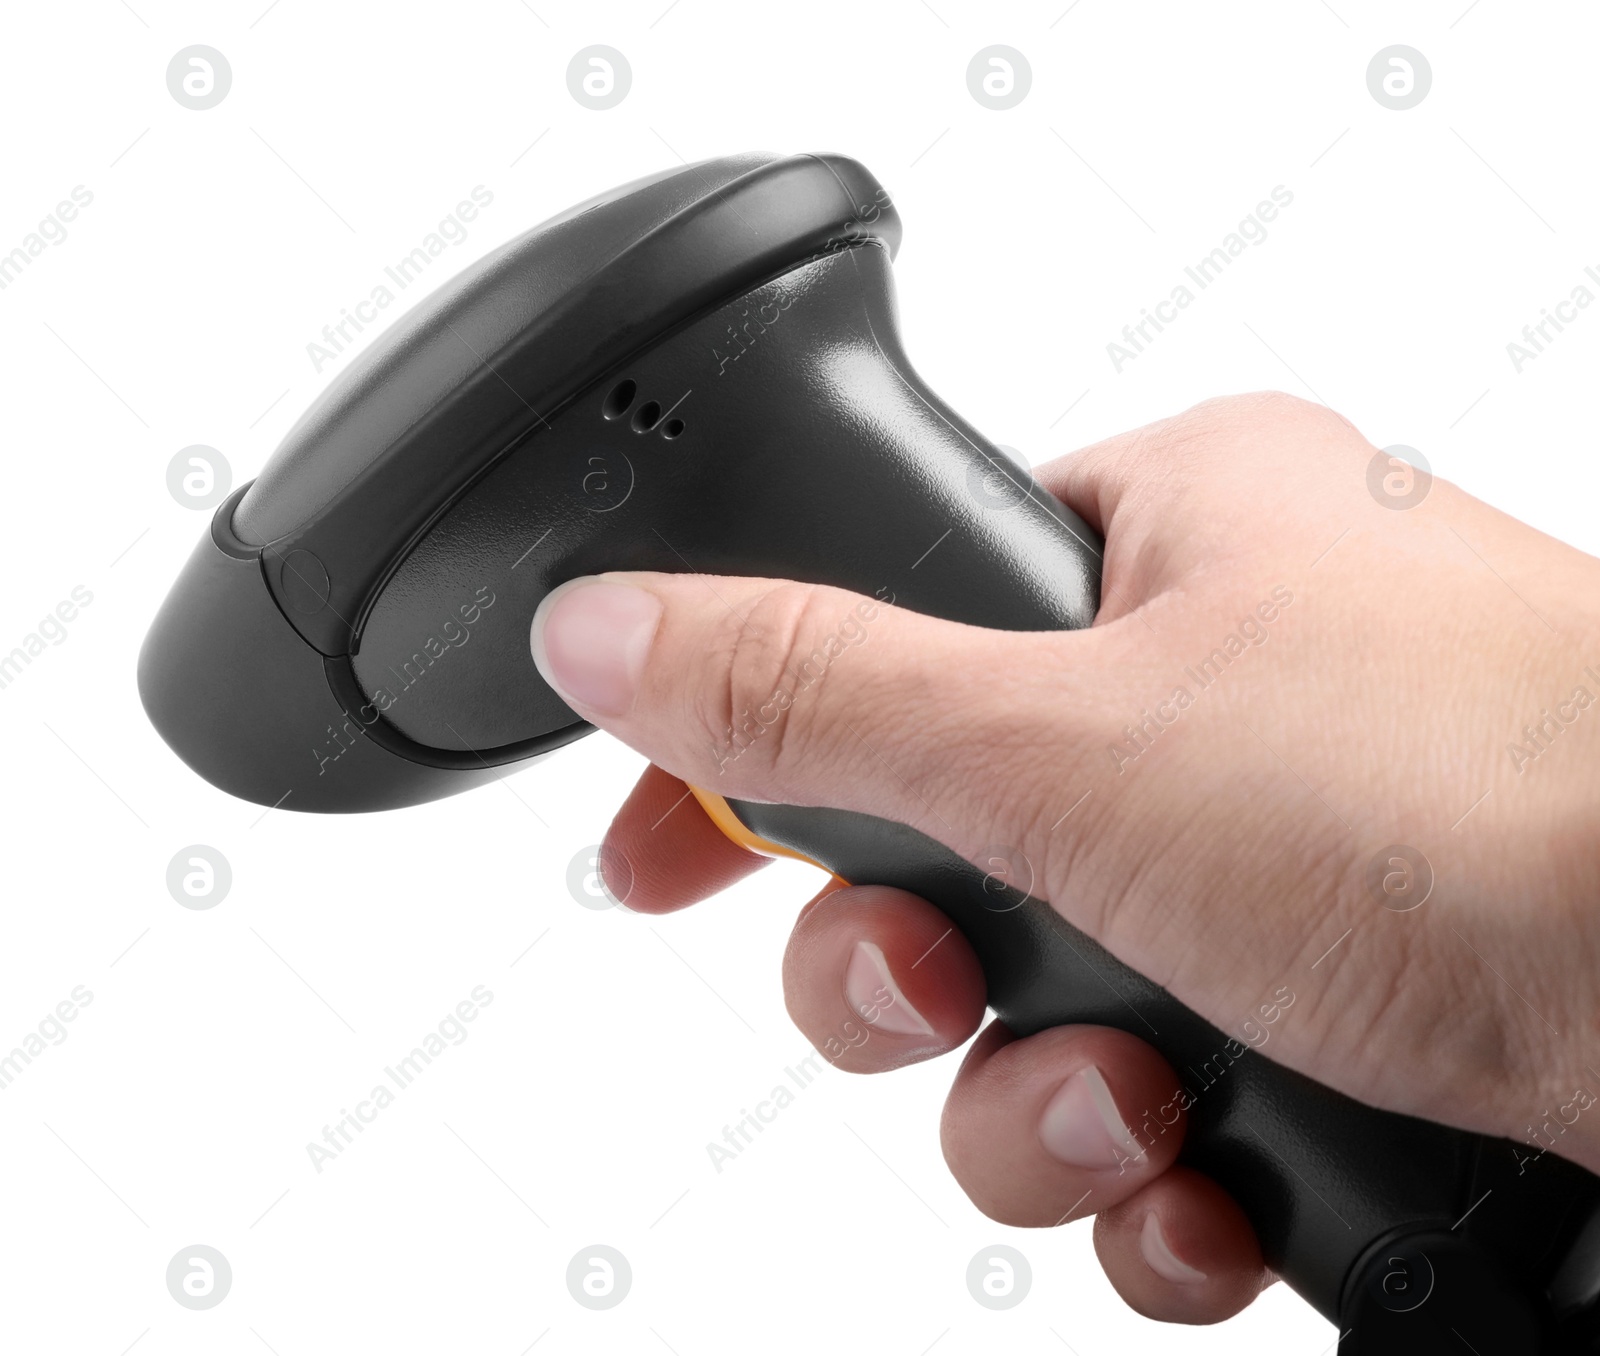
(178, 311)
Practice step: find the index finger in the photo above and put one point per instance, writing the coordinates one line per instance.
(663, 853)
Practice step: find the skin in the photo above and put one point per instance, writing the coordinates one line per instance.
(1229, 858)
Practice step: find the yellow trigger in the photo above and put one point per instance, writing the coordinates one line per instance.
(736, 830)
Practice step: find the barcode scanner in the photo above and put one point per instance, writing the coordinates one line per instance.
(702, 371)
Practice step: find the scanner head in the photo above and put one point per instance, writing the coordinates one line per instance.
(699, 371)
(293, 647)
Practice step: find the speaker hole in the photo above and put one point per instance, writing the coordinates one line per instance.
(644, 418)
(620, 397)
(672, 428)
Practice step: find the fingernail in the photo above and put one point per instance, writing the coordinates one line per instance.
(871, 992)
(590, 639)
(1160, 1258)
(1081, 1124)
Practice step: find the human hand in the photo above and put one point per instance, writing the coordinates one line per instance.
(1352, 677)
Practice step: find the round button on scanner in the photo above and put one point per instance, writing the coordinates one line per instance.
(305, 582)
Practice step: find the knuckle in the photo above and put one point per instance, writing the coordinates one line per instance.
(1278, 404)
(1234, 432)
(1275, 409)
(1252, 411)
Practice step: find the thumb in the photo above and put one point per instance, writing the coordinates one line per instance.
(802, 694)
